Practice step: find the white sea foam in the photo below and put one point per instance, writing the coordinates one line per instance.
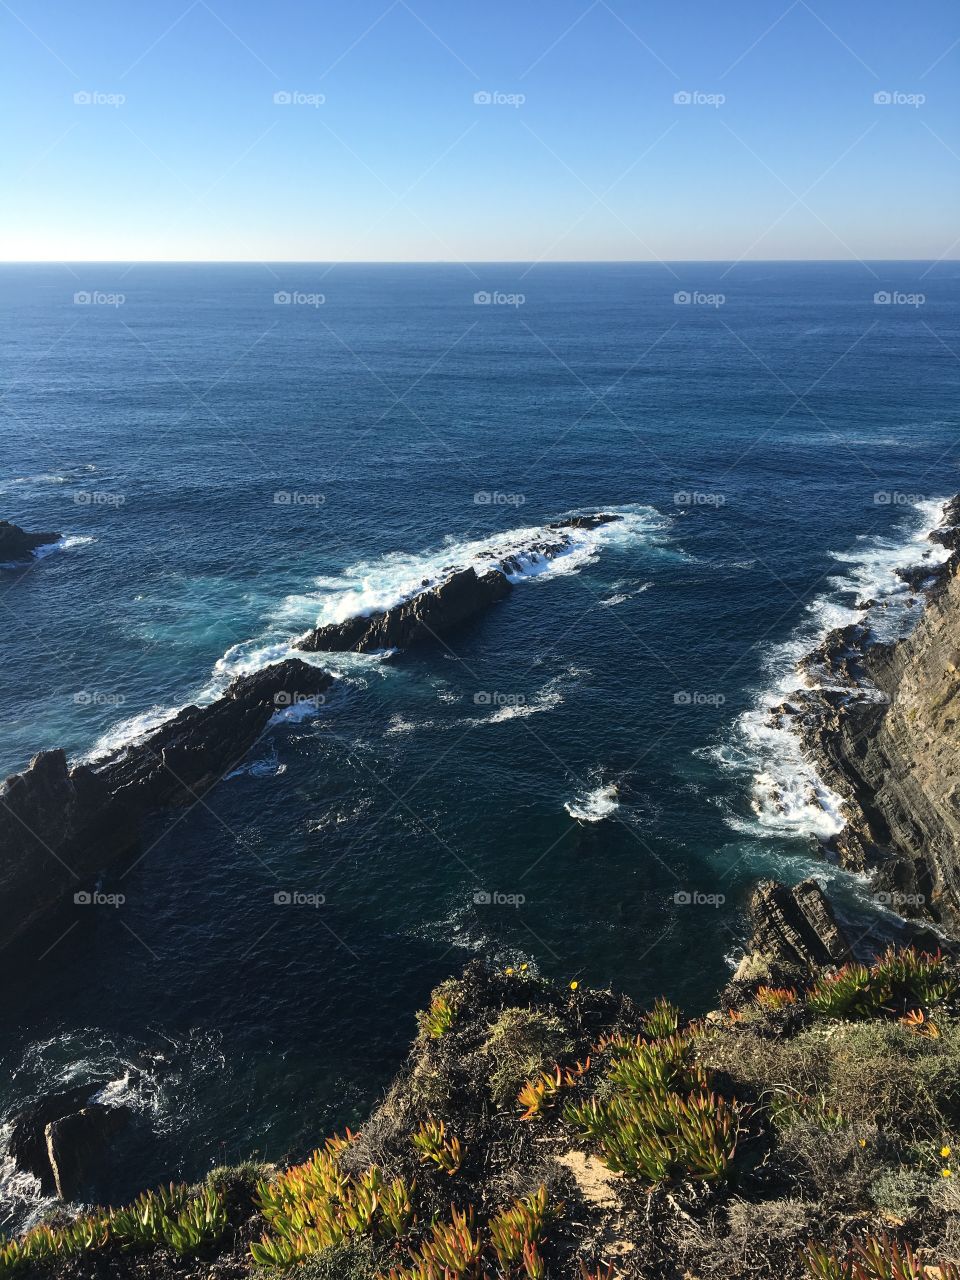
(595, 805)
(371, 586)
(788, 795)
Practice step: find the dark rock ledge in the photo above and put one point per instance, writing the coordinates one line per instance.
(441, 607)
(16, 544)
(61, 825)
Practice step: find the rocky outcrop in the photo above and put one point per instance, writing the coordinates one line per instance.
(78, 1148)
(64, 1140)
(885, 735)
(61, 825)
(427, 616)
(795, 934)
(16, 544)
(440, 607)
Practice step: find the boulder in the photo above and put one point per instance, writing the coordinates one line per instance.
(28, 1143)
(78, 1149)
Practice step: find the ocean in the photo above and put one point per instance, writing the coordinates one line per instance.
(581, 780)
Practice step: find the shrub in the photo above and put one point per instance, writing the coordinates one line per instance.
(178, 1218)
(518, 1046)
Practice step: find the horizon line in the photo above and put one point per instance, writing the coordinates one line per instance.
(457, 262)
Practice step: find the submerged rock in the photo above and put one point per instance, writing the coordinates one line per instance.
(17, 544)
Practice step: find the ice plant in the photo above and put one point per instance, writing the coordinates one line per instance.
(776, 998)
(439, 1018)
(873, 1258)
(432, 1144)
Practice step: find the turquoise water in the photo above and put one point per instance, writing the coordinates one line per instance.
(229, 469)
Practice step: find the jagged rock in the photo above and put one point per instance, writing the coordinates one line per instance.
(891, 753)
(60, 826)
(584, 522)
(78, 1147)
(795, 934)
(28, 1143)
(440, 607)
(429, 615)
(17, 544)
(182, 759)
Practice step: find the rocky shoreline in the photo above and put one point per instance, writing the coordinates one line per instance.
(882, 724)
(807, 1123)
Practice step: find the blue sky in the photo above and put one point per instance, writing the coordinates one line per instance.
(383, 153)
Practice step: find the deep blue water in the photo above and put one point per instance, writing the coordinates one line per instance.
(157, 434)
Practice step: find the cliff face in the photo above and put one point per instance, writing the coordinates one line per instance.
(893, 752)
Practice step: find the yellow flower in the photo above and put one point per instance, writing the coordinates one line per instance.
(863, 1142)
(509, 971)
(945, 1173)
(574, 984)
(524, 967)
(944, 1151)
